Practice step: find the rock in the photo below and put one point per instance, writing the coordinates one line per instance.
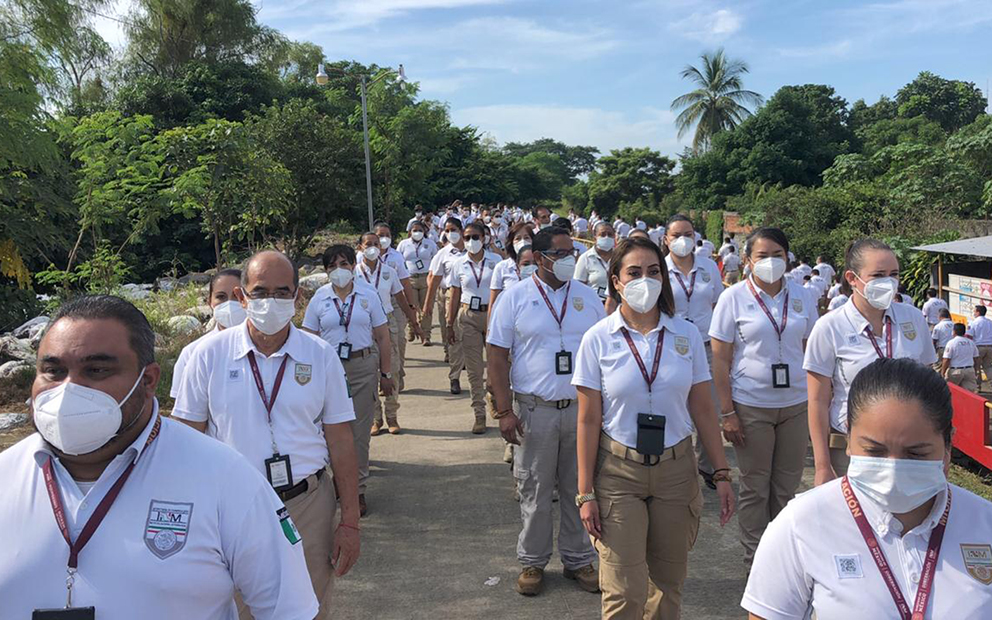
(166, 284)
(13, 349)
(184, 324)
(10, 421)
(11, 368)
(194, 278)
(29, 329)
(203, 313)
(314, 282)
(35, 341)
(136, 292)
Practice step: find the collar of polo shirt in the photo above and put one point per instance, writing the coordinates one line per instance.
(616, 321)
(291, 347)
(672, 266)
(860, 322)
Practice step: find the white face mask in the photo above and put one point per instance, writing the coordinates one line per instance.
(520, 243)
(642, 294)
(682, 247)
(271, 315)
(880, 292)
(454, 236)
(897, 485)
(487, 219)
(77, 419)
(543, 226)
(473, 245)
(497, 220)
(341, 277)
(527, 271)
(371, 252)
(229, 314)
(769, 270)
(605, 243)
(384, 242)
(417, 235)
(564, 268)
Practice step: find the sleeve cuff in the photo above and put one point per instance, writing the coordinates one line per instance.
(189, 416)
(339, 417)
(763, 611)
(818, 369)
(586, 382)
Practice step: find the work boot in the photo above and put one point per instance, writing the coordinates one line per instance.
(531, 581)
(363, 508)
(394, 426)
(456, 386)
(447, 359)
(376, 428)
(427, 342)
(410, 337)
(479, 428)
(587, 577)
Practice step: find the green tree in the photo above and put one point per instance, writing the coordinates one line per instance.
(950, 103)
(578, 160)
(719, 101)
(627, 176)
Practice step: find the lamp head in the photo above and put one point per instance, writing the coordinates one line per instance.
(402, 73)
(321, 75)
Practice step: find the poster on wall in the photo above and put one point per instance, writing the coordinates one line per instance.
(966, 292)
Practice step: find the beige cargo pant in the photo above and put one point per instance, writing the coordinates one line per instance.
(963, 377)
(419, 285)
(391, 404)
(456, 358)
(985, 361)
(362, 374)
(701, 457)
(472, 325)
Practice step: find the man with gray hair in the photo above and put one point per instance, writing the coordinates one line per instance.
(278, 396)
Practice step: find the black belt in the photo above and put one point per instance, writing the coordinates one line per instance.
(481, 308)
(367, 351)
(298, 489)
(962, 367)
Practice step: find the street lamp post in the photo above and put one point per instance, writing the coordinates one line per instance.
(322, 79)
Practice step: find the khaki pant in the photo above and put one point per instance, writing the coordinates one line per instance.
(546, 456)
(456, 358)
(963, 377)
(473, 334)
(701, 457)
(649, 517)
(940, 359)
(363, 383)
(399, 367)
(391, 403)
(442, 317)
(771, 463)
(731, 277)
(315, 519)
(985, 360)
(419, 285)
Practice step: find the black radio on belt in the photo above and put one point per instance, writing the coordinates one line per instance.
(70, 613)
(650, 436)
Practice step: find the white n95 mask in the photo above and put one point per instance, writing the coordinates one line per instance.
(270, 315)
(520, 243)
(897, 485)
(417, 235)
(77, 419)
(341, 277)
(769, 270)
(371, 252)
(682, 247)
(605, 243)
(473, 245)
(880, 292)
(642, 294)
(527, 271)
(229, 314)
(454, 236)
(564, 268)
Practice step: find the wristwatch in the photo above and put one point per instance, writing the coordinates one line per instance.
(386, 375)
(582, 499)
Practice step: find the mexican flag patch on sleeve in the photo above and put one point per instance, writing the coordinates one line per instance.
(288, 527)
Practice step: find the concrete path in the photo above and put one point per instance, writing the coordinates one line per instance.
(442, 522)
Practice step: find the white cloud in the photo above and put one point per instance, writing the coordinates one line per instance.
(110, 26)
(911, 16)
(604, 129)
(709, 27)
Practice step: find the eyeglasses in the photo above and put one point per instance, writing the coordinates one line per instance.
(263, 294)
(559, 254)
(473, 238)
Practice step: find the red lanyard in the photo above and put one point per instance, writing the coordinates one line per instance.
(785, 309)
(929, 565)
(564, 305)
(640, 362)
(692, 283)
(378, 273)
(269, 404)
(887, 328)
(101, 510)
(349, 306)
(477, 276)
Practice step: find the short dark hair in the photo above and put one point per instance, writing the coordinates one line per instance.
(480, 228)
(666, 301)
(903, 379)
(454, 221)
(731, 249)
(815, 272)
(247, 267)
(678, 217)
(595, 229)
(382, 223)
(981, 310)
(223, 273)
(944, 313)
(959, 329)
(931, 292)
(769, 233)
(564, 223)
(418, 223)
(336, 251)
(538, 208)
(96, 307)
(544, 238)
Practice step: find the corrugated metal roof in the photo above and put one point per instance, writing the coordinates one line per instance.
(976, 246)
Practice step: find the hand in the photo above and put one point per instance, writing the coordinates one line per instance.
(386, 386)
(727, 503)
(824, 474)
(732, 430)
(419, 332)
(452, 336)
(347, 548)
(509, 427)
(589, 512)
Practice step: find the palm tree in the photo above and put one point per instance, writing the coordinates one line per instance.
(718, 103)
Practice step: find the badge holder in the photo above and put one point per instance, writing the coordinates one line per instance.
(344, 350)
(69, 613)
(475, 303)
(602, 292)
(780, 376)
(419, 264)
(651, 437)
(563, 363)
(279, 472)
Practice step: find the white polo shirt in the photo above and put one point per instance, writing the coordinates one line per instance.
(417, 255)
(580, 224)
(522, 323)
(813, 555)
(834, 291)
(820, 284)
(837, 302)
(474, 283)
(932, 308)
(180, 365)
(738, 319)
(383, 278)
(827, 272)
(592, 270)
(362, 306)
(981, 330)
(961, 352)
(442, 262)
(839, 348)
(504, 274)
(606, 364)
(224, 517)
(731, 262)
(657, 235)
(622, 228)
(218, 388)
(725, 249)
(943, 332)
(395, 260)
(706, 290)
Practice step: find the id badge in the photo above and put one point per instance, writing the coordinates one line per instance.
(419, 264)
(650, 434)
(279, 472)
(71, 613)
(602, 292)
(475, 303)
(563, 363)
(780, 376)
(344, 350)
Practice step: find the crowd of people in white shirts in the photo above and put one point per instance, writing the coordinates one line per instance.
(614, 357)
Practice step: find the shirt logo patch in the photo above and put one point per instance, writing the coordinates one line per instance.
(578, 304)
(288, 527)
(978, 561)
(616, 345)
(303, 373)
(797, 305)
(167, 527)
(852, 339)
(752, 307)
(704, 276)
(365, 304)
(681, 345)
(849, 566)
(909, 331)
(385, 277)
(533, 302)
(233, 374)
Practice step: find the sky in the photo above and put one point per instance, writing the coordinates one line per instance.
(604, 73)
